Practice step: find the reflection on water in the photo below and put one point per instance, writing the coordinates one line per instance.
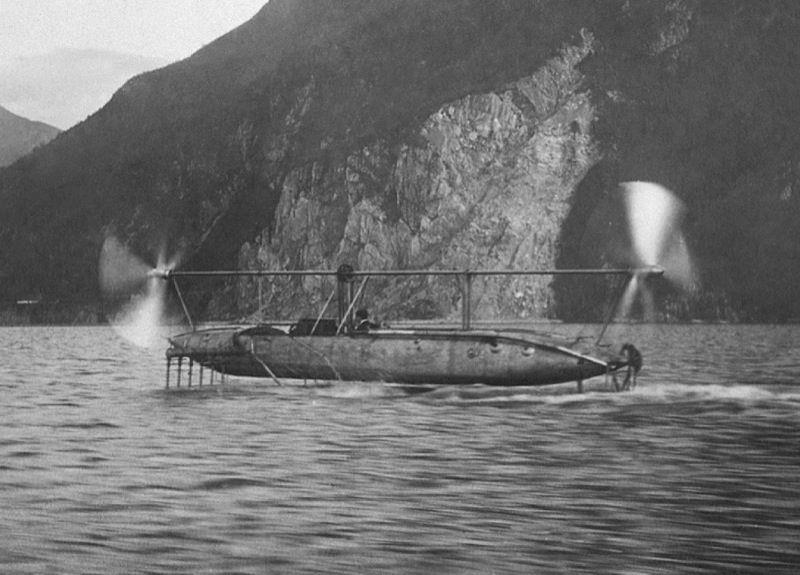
(695, 471)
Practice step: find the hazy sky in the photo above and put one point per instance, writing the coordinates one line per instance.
(61, 60)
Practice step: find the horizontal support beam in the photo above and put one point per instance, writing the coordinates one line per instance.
(376, 273)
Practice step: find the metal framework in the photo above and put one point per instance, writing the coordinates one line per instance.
(345, 276)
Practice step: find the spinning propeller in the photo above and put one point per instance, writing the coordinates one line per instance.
(139, 290)
(657, 244)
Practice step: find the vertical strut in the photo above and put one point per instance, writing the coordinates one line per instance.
(466, 300)
(263, 363)
(183, 303)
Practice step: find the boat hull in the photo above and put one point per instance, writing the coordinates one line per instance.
(400, 356)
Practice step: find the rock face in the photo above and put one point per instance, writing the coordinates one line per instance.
(19, 136)
(483, 182)
(416, 134)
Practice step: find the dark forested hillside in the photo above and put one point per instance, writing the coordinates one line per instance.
(18, 136)
(416, 133)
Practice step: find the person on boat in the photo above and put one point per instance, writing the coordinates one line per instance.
(633, 358)
(363, 322)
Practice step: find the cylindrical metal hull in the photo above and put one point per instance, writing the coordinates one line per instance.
(398, 356)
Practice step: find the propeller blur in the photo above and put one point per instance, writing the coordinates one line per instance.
(654, 217)
(137, 291)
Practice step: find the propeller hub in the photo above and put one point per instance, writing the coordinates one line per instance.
(161, 273)
(648, 271)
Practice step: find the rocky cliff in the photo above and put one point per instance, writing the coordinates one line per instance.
(415, 134)
(484, 181)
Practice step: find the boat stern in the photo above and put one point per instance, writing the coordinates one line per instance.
(215, 348)
(622, 366)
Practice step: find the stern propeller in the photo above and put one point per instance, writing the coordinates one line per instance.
(137, 291)
(657, 244)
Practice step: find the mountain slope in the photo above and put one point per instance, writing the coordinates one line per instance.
(439, 134)
(62, 87)
(18, 136)
(200, 148)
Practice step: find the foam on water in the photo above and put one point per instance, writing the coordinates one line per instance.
(671, 391)
(599, 392)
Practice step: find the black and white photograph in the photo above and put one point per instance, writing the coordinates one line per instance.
(399, 286)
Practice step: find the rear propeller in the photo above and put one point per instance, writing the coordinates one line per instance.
(136, 292)
(657, 245)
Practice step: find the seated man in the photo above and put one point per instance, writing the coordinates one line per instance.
(362, 321)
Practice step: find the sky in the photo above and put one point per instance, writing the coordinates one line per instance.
(61, 60)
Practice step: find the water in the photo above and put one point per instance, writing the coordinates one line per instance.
(696, 471)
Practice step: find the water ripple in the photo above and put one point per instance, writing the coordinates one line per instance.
(104, 471)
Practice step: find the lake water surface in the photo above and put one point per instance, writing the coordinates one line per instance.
(695, 471)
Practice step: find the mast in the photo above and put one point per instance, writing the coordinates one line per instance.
(344, 290)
